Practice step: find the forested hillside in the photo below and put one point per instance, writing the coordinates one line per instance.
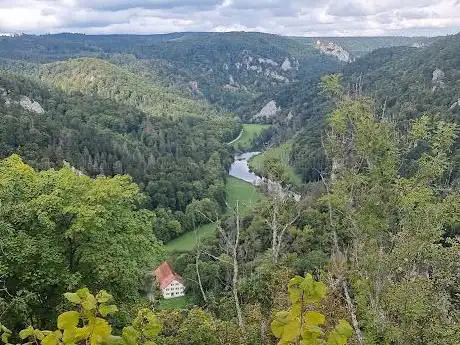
(406, 82)
(103, 137)
(236, 70)
(112, 146)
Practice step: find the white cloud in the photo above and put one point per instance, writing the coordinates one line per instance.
(291, 17)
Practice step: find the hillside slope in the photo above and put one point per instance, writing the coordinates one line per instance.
(168, 158)
(109, 81)
(405, 82)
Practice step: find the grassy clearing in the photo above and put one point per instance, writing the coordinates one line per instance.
(187, 241)
(282, 153)
(246, 194)
(250, 132)
(173, 303)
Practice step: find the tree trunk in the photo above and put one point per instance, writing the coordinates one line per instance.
(197, 260)
(351, 310)
(235, 270)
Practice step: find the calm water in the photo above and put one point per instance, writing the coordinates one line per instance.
(240, 168)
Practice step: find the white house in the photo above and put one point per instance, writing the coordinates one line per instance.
(171, 284)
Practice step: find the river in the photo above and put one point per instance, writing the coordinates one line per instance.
(240, 169)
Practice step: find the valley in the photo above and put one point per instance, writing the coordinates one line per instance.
(121, 152)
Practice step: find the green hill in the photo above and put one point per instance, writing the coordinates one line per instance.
(170, 158)
(100, 77)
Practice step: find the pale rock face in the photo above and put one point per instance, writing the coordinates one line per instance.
(438, 79)
(231, 88)
(438, 75)
(455, 104)
(225, 67)
(286, 66)
(268, 111)
(194, 86)
(30, 105)
(276, 76)
(335, 50)
(268, 62)
(24, 102)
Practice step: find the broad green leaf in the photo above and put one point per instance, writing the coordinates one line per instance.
(50, 339)
(152, 330)
(25, 333)
(100, 331)
(278, 323)
(285, 327)
(314, 318)
(103, 296)
(82, 333)
(69, 336)
(340, 334)
(39, 334)
(294, 289)
(5, 337)
(311, 335)
(72, 297)
(89, 302)
(83, 293)
(313, 291)
(130, 335)
(69, 319)
(105, 310)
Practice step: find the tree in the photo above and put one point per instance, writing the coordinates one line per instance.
(60, 229)
(395, 222)
(301, 324)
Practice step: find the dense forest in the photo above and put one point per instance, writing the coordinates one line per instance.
(111, 146)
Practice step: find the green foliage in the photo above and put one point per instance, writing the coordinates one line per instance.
(397, 216)
(332, 85)
(87, 324)
(280, 155)
(173, 161)
(300, 324)
(95, 76)
(249, 133)
(57, 229)
(246, 194)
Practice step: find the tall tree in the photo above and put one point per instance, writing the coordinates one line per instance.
(60, 229)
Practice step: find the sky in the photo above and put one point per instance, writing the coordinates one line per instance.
(286, 17)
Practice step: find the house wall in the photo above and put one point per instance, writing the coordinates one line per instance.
(175, 289)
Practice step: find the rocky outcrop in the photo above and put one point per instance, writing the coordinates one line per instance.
(268, 62)
(268, 111)
(286, 66)
(24, 101)
(275, 75)
(334, 50)
(438, 79)
(455, 104)
(231, 88)
(194, 86)
(31, 105)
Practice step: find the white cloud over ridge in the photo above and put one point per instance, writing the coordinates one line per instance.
(288, 17)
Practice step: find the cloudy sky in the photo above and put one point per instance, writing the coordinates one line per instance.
(288, 17)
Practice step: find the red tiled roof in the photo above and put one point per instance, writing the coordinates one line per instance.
(165, 275)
